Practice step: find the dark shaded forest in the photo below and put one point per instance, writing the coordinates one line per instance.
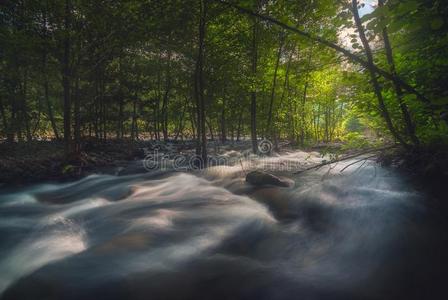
(303, 71)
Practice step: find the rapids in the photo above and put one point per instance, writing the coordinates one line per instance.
(365, 233)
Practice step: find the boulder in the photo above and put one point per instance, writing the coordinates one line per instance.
(259, 178)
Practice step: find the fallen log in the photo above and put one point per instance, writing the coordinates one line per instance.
(346, 158)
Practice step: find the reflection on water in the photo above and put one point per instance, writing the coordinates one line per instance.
(360, 234)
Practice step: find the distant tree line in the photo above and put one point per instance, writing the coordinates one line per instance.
(206, 69)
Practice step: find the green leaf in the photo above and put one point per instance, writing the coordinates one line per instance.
(440, 101)
(411, 6)
(67, 169)
(437, 23)
(396, 26)
(367, 17)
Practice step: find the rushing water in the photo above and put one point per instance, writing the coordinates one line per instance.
(361, 234)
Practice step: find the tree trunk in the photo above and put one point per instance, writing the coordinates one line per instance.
(269, 130)
(66, 80)
(134, 131)
(208, 122)
(238, 130)
(409, 124)
(165, 99)
(180, 126)
(3, 115)
(120, 116)
(77, 117)
(24, 107)
(376, 86)
(47, 99)
(302, 111)
(353, 57)
(223, 121)
(253, 95)
(199, 85)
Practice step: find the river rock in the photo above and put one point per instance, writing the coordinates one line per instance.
(259, 178)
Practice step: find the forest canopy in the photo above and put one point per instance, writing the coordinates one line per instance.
(304, 71)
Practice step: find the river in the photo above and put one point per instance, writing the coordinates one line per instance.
(364, 233)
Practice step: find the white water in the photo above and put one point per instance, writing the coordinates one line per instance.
(363, 233)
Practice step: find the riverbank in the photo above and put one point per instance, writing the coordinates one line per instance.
(428, 161)
(31, 162)
(37, 161)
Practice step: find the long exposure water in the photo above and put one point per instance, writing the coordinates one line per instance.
(365, 233)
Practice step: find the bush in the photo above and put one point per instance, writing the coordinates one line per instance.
(355, 140)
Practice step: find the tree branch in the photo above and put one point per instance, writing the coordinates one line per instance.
(346, 157)
(329, 44)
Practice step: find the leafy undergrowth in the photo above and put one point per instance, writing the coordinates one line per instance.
(430, 161)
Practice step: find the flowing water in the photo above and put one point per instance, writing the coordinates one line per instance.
(364, 233)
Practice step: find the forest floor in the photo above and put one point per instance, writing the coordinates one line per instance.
(44, 160)
(31, 162)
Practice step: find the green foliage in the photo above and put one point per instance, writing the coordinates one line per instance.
(133, 69)
(353, 124)
(67, 169)
(355, 140)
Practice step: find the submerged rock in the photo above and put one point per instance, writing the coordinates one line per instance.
(260, 178)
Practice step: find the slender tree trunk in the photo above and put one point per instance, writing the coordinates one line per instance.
(104, 112)
(158, 121)
(100, 114)
(134, 133)
(199, 85)
(66, 80)
(45, 71)
(269, 129)
(238, 130)
(285, 88)
(120, 116)
(180, 126)
(409, 124)
(223, 121)
(166, 98)
(208, 122)
(253, 94)
(193, 120)
(39, 115)
(77, 117)
(95, 112)
(305, 90)
(317, 124)
(47, 99)
(24, 107)
(3, 115)
(13, 123)
(376, 86)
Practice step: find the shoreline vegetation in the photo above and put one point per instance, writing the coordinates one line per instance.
(40, 161)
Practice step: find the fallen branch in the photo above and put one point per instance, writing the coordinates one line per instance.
(346, 158)
(353, 163)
